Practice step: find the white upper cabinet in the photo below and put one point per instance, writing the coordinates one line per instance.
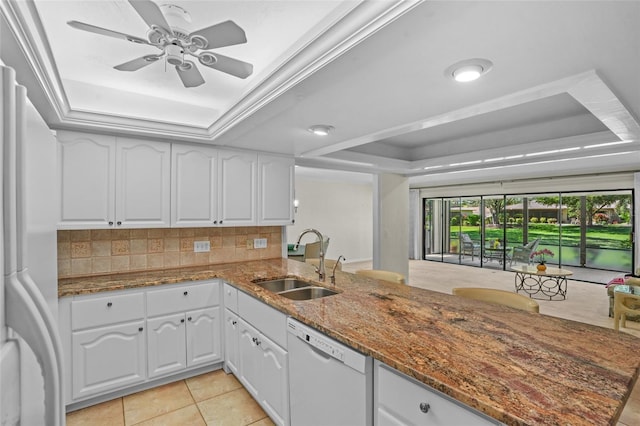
(143, 176)
(276, 177)
(86, 173)
(238, 182)
(113, 182)
(194, 186)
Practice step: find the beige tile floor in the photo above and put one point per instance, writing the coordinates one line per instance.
(219, 399)
(212, 399)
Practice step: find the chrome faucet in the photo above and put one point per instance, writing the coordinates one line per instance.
(333, 273)
(320, 269)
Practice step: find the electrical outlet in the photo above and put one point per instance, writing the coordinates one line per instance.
(201, 246)
(260, 243)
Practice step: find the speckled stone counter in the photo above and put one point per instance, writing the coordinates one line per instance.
(517, 367)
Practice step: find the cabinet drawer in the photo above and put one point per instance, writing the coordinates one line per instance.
(105, 310)
(271, 322)
(182, 298)
(231, 298)
(401, 400)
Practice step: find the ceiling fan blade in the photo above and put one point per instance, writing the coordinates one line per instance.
(228, 65)
(138, 63)
(106, 32)
(225, 33)
(151, 14)
(189, 74)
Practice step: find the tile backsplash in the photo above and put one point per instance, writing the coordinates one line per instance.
(105, 251)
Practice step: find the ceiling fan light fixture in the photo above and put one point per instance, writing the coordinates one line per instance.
(175, 54)
(320, 129)
(468, 70)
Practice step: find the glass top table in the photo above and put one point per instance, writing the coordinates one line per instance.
(551, 284)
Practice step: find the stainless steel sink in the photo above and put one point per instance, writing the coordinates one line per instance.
(307, 293)
(283, 284)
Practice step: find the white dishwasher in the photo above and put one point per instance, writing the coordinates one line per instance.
(330, 384)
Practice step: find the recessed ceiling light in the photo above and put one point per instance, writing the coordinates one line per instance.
(320, 129)
(469, 69)
(467, 73)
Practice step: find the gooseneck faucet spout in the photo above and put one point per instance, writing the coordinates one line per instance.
(320, 270)
(333, 273)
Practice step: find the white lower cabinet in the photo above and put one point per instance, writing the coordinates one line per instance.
(183, 336)
(231, 341)
(166, 338)
(250, 358)
(178, 341)
(108, 358)
(254, 355)
(115, 340)
(401, 400)
(204, 336)
(274, 390)
(264, 372)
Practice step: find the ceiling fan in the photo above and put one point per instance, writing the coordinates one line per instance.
(175, 44)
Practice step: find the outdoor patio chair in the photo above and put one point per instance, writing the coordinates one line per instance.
(522, 254)
(468, 246)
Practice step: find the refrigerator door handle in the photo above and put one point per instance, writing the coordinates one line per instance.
(24, 316)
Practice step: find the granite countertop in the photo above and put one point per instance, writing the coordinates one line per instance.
(517, 367)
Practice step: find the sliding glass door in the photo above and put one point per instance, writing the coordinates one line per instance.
(583, 230)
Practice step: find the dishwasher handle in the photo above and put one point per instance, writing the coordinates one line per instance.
(322, 343)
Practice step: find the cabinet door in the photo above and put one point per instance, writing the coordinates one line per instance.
(142, 183)
(274, 390)
(166, 350)
(86, 172)
(108, 358)
(400, 400)
(194, 180)
(203, 336)
(250, 358)
(276, 176)
(231, 341)
(237, 188)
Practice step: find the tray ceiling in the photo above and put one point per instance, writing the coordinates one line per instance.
(564, 82)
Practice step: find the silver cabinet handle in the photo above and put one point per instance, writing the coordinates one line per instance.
(110, 223)
(109, 304)
(424, 407)
(185, 293)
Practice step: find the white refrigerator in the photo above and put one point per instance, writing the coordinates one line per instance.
(30, 349)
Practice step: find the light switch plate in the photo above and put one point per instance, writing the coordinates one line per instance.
(201, 246)
(259, 243)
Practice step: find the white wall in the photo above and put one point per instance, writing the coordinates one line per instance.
(341, 211)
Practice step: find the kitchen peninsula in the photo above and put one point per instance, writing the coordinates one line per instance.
(516, 367)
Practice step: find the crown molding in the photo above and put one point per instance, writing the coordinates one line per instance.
(363, 21)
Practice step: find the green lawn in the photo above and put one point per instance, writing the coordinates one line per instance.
(608, 246)
(616, 237)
